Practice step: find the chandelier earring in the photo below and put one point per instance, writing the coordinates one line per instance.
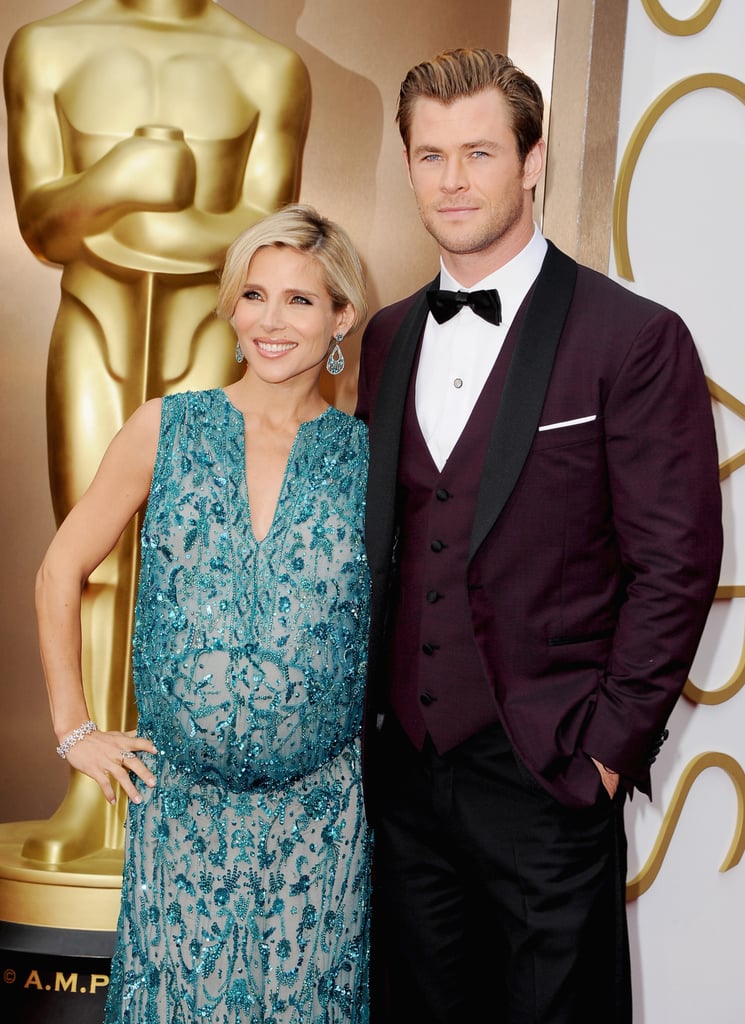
(335, 361)
(238, 352)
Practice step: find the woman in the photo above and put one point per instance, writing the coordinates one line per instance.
(246, 877)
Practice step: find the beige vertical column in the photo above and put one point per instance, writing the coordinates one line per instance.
(583, 127)
(531, 47)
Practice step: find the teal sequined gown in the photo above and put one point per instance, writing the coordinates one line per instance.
(246, 878)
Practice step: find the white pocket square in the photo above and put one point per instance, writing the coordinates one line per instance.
(567, 423)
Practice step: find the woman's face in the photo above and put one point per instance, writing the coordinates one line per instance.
(285, 319)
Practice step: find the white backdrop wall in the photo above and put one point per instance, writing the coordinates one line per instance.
(685, 226)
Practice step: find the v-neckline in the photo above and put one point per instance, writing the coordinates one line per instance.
(244, 473)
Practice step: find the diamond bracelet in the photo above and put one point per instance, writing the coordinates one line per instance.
(75, 736)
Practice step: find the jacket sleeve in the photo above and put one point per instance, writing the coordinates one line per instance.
(663, 473)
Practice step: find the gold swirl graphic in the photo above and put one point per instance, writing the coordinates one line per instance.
(734, 771)
(736, 682)
(681, 26)
(650, 117)
(737, 407)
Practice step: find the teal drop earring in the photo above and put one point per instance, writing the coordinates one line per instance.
(335, 361)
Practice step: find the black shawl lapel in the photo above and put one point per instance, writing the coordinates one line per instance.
(385, 433)
(524, 389)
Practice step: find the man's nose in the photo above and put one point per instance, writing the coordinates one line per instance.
(454, 177)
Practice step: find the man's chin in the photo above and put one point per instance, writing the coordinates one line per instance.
(458, 244)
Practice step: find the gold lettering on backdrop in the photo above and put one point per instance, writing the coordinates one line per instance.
(650, 117)
(734, 87)
(681, 26)
(734, 405)
(736, 682)
(734, 771)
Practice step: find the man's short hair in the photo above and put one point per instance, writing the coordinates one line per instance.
(456, 74)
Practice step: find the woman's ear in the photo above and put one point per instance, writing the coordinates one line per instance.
(345, 319)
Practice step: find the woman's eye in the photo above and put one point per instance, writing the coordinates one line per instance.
(301, 299)
(251, 294)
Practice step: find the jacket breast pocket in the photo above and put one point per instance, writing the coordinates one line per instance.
(553, 433)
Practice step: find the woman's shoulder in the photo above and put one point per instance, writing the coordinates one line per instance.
(194, 399)
(345, 435)
(347, 423)
(344, 443)
(143, 426)
(181, 406)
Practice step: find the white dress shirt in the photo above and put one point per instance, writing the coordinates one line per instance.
(458, 356)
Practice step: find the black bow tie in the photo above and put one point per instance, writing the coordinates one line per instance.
(485, 303)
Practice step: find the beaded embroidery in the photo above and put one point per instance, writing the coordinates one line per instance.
(246, 880)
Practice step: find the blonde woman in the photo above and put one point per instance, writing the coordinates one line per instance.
(246, 879)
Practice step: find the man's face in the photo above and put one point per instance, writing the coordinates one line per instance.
(473, 192)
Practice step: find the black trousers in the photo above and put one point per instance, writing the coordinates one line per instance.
(492, 902)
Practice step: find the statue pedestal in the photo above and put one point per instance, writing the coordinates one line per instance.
(53, 974)
(57, 929)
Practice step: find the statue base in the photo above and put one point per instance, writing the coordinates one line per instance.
(57, 930)
(54, 974)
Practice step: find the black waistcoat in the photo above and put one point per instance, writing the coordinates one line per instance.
(438, 685)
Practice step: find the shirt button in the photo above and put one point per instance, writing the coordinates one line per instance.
(427, 699)
(457, 383)
(441, 494)
(429, 648)
(437, 545)
(432, 596)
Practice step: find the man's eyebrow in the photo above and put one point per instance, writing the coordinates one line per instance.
(476, 144)
(423, 148)
(481, 144)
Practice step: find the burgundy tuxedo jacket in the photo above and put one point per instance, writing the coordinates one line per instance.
(596, 539)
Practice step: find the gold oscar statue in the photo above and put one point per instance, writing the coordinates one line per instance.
(143, 136)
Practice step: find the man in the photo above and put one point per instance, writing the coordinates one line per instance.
(544, 539)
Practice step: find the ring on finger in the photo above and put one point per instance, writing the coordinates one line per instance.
(125, 756)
